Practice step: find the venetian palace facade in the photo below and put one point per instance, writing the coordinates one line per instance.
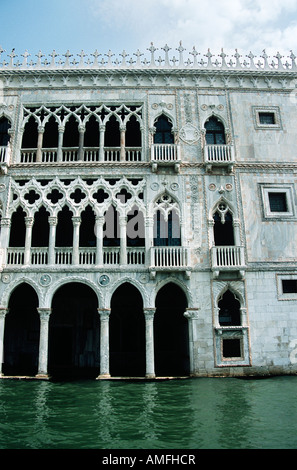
(148, 214)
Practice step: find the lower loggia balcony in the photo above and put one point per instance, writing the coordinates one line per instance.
(111, 256)
(227, 259)
(165, 155)
(88, 154)
(169, 258)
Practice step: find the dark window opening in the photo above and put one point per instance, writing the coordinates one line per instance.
(30, 135)
(111, 229)
(215, 132)
(71, 134)
(51, 133)
(267, 118)
(231, 348)
(112, 133)
(87, 228)
(91, 137)
(167, 233)
(64, 231)
(133, 133)
(278, 202)
(229, 310)
(135, 228)
(223, 232)
(4, 135)
(17, 229)
(289, 286)
(163, 134)
(40, 229)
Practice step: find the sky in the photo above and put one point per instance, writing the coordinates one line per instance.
(117, 25)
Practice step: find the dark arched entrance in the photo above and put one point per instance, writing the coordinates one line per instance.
(21, 334)
(74, 333)
(171, 336)
(127, 333)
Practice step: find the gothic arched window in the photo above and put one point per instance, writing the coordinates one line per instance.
(215, 132)
(163, 134)
(229, 310)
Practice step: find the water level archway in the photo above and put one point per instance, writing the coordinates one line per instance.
(21, 334)
(74, 332)
(127, 333)
(171, 334)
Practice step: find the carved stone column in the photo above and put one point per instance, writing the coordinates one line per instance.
(149, 238)
(28, 240)
(44, 314)
(192, 315)
(99, 239)
(3, 312)
(123, 237)
(52, 239)
(123, 144)
(39, 144)
(104, 342)
(60, 144)
(75, 253)
(149, 342)
(81, 130)
(4, 239)
(101, 144)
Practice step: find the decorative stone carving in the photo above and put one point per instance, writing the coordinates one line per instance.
(189, 133)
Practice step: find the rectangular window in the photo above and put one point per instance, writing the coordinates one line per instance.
(231, 348)
(289, 286)
(278, 202)
(267, 118)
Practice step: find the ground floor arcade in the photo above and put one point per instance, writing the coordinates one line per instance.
(75, 336)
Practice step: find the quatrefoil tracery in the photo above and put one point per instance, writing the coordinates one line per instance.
(77, 194)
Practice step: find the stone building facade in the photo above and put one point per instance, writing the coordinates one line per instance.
(148, 215)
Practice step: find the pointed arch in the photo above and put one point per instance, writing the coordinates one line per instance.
(215, 130)
(164, 129)
(127, 332)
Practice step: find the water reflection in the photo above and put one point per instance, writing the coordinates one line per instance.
(189, 414)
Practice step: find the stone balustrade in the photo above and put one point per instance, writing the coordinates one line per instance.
(71, 154)
(227, 257)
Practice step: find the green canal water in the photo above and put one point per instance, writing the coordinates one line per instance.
(202, 413)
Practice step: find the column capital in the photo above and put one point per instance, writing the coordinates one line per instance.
(3, 312)
(192, 313)
(29, 221)
(149, 313)
(53, 220)
(76, 220)
(44, 313)
(5, 222)
(104, 313)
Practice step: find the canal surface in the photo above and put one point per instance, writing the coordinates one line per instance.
(202, 413)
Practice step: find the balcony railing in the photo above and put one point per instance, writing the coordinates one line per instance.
(227, 258)
(169, 257)
(64, 256)
(219, 155)
(89, 154)
(165, 154)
